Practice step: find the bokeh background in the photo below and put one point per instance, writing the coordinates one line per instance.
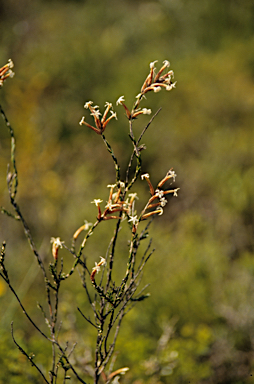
(198, 324)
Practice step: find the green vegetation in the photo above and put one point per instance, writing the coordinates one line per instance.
(197, 326)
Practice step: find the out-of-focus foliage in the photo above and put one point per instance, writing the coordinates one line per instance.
(197, 325)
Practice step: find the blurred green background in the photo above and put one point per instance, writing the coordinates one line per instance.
(197, 326)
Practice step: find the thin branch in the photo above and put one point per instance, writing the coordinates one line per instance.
(117, 168)
(111, 256)
(147, 126)
(13, 147)
(111, 349)
(12, 195)
(135, 151)
(27, 356)
(25, 312)
(68, 362)
(86, 318)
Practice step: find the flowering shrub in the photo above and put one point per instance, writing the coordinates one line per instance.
(109, 301)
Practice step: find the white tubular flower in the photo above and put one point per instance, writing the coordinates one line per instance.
(159, 193)
(145, 176)
(97, 268)
(122, 184)
(107, 104)
(167, 81)
(163, 202)
(133, 195)
(172, 174)
(97, 202)
(83, 227)
(103, 261)
(114, 195)
(146, 111)
(120, 100)
(166, 63)
(159, 210)
(171, 74)
(109, 205)
(133, 220)
(171, 86)
(96, 114)
(175, 192)
(111, 185)
(10, 63)
(57, 243)
(82, 121)
(152, 64)
(87, 225)
(113, 114)
(156, 89)
(88, 104)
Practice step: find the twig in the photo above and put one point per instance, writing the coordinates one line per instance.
(27, 356)
(88, 320)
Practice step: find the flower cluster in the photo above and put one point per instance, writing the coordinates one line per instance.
(100, 123)
(117, 203)
(114, 204)
(158, 194)
(154, 207)
(6, 71)
(153, 82)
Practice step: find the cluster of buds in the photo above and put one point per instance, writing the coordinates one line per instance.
(56, 244)
(154, 82)
(97, 268)
(6, 71)
(100, 122)
(157, 201)
(116, 203)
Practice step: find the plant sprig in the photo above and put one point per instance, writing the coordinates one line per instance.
(109, 302)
